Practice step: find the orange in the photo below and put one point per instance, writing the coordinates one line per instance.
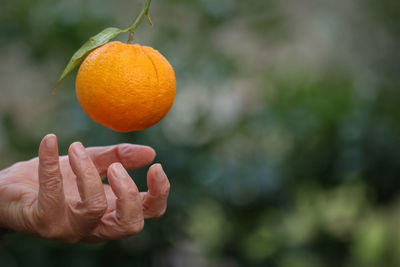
(126, 87)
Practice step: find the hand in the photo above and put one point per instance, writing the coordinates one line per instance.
(64, 198)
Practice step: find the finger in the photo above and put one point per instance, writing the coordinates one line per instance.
(131, 156)
(127, 219)
(111, 198)
(155, 200)
(51, 195)
(93, 200)
(129, 212)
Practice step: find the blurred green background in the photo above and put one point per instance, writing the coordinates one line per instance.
(282, 147)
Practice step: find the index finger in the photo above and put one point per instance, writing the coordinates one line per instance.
(91, 189)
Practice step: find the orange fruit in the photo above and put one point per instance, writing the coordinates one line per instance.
(126, 87)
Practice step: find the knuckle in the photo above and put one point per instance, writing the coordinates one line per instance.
(52, 171)
(89, 171)
(49, 164)
(52, 184)
(96, 208)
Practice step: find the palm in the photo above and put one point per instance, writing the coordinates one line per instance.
(26, 181)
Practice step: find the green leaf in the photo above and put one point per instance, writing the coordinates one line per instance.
(98, 40)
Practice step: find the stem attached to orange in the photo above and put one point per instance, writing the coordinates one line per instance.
(144, 12)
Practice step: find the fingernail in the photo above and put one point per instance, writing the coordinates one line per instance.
(119, 170)
(51, 141)
(80, 150)
(160, 172)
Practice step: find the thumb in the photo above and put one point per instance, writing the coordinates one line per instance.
(51, 193)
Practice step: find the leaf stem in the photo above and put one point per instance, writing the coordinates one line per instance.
(132, 28)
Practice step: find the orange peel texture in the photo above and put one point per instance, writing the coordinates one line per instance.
(126, 87)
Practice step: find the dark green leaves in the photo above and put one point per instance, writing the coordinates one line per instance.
(93, 42)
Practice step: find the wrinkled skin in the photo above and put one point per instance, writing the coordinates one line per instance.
(64, 198)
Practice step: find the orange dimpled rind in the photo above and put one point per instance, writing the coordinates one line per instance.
(126, 87)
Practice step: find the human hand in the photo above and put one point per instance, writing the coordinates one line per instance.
(64, 198)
